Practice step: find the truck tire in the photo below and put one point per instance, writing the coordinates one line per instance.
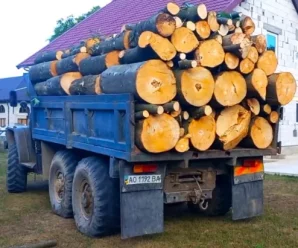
(96, 198)
(60, 182)
(220, 203)
(16, 175)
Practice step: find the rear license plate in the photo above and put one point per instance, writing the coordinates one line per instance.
(141, 179)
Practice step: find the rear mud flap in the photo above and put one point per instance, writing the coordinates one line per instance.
(142, 205)
(247, 197)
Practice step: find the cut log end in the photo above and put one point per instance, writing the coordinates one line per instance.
(59, 55)
(183, 144)
(254, 105)
(158, 133)
(202, 11)
(281, 88)
(247, 25)
(230, 88)
(246, 66)
(161, 46)
(196, 86)
(268, 62)
(178, 21)
(232, 126)
(260, 43)
(261, 133)
(184, 40)
(79, 57)
(212, 21)
(203, 30)
(223, 30)
(253, 54)
(257, 83)
(112, 58)
(210, 53)
(173, 8)
(202, 132)
(142, 115)
(190, 25)
(274, 117)
(67, 79)
(266, 109)
(231, 61)
(165, 24)
(155, 82)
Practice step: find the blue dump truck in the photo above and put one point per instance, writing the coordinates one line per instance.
(85, 147)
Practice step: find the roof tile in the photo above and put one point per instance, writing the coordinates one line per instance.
(109, 20)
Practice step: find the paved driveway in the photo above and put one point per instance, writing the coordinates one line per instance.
(287, 166)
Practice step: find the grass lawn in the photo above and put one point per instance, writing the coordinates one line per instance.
(27, 218)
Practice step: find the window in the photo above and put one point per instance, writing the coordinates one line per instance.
(2, 122)
(22, 121)
(272, 41)
(2, 109)
(23, 110)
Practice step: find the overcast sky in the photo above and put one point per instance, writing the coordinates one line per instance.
(25, 27)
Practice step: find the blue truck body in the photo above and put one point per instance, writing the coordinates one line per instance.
(104, 126)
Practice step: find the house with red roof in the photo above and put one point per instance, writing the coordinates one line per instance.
(276, 19)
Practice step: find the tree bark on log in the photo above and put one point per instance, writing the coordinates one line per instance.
(246, 66)
(230, 88)
(57, 86)
(281, 88)
(260, 134)
(137, 54)
(151, 81)
(197, 113)
(232, 126)
(202, 132)
(195, 86)
(152, 109)
(192, 12)
(161, 46)
(203, 30)
(48, 56)
(87, 85)
(97, 64)
(257, 82)
(187, 64)
(42, 71)
(162, 24)
(184, 40)
(268, 62)
(70, 64)
(156, 134)
(118, 43)
(216, 37)
(74, 50)
(173, 106)
(210, 53)
(259, 41)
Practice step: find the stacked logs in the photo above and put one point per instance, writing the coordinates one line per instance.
(201, 79)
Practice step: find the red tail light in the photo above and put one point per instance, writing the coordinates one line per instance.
(144, 168)
(249, 166)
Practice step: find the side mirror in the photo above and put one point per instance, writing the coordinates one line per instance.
(13, 101)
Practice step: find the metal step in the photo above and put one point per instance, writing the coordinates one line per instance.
(29, 165)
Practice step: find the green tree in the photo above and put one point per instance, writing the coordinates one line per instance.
(65, 24)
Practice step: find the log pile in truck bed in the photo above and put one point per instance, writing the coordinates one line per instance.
(201, 79)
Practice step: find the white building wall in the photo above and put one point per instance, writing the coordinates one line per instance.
(11, 114)
(279, 16)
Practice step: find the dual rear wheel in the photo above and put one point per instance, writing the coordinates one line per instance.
(84, 190)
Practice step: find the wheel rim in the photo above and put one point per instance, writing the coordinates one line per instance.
(59, 184)
(86, 199)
